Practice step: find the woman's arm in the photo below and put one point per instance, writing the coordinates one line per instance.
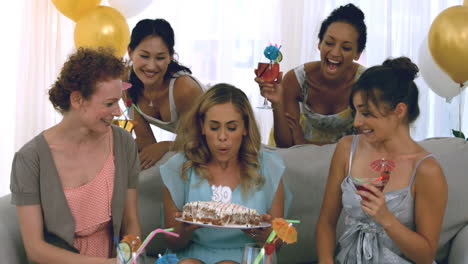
(430, 201)
(131, 224)
(325, 230)
(184, 230)
(276, 211)
(37, 249)
(186, 91)
(288, 104)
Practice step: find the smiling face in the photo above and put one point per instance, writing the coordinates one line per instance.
(338, 49)
(150, 60)
(375, 123)
(224, 130)
(98, 111)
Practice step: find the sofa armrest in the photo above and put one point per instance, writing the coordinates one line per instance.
(458, 252)
(12, 249)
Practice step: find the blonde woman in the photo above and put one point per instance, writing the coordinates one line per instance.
(219, 145)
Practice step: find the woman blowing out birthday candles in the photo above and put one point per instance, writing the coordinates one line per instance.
(219, 146)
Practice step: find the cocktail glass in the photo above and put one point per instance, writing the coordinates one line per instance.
(377, 182)
(267, 72)
(251, 251)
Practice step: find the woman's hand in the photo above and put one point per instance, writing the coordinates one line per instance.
(272, 91)
(296, 130)
(260, 234)
(150, 154)
(376, 206)
(183, 229)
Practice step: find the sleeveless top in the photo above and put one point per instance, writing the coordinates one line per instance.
(212, 245)
(170, 125)
(364, 241)
(90, 205)
(323, 128)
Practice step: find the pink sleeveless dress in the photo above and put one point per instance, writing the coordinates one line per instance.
(90, 205)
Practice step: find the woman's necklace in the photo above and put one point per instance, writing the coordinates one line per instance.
(150, 98)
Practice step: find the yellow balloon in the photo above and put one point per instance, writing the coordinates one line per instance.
(448, 42)
(103, 27)
(74, 9)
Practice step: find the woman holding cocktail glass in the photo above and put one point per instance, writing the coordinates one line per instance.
(401, 223)
(311, 102)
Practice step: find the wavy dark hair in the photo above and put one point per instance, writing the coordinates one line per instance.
(157, 28)
(349, 14)
(390, 83)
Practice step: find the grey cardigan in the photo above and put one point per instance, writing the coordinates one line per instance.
(34, 180)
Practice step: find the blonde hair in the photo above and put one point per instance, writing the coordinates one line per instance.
(191, 141)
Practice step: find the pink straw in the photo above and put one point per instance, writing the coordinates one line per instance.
(148, 239)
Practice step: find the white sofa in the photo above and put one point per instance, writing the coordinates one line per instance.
(306, 173)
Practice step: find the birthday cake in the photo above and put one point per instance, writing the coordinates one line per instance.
(219, 213)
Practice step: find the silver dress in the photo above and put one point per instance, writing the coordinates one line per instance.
(364, 241)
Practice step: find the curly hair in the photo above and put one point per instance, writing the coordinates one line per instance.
(191, 141)
(390, 84)
(81, 72)
(350, 14)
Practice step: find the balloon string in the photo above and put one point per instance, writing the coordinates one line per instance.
(460, 108)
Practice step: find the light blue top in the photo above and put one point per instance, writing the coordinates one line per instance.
(363, 240)
(211, 245)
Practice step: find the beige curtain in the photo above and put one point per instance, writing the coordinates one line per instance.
(44, 38)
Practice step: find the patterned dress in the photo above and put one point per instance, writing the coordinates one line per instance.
(318, 127)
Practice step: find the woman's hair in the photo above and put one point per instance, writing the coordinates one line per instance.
(191, 141)
(349, 14)
(390, 84)
(154, 28)
(81, 72)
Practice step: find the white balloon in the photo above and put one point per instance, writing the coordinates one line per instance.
(130, 8)
(434, 76)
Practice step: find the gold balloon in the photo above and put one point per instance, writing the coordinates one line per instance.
(103, 27)
(74, 9)
(465, 2)
(448, 42)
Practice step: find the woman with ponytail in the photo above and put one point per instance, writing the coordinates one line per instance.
(399, 222)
